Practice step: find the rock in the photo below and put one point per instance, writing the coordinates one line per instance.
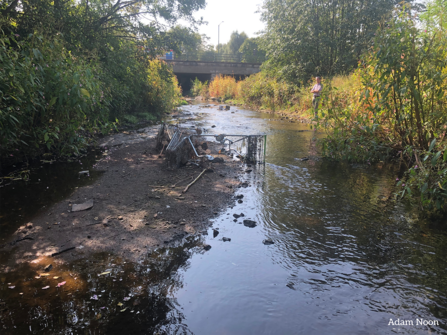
(213, 126)
(226, 239)
(305, 159)
(227, 108)
(204, 146)
(235, 220)
(239, 196)
(218, 160)
(249, 223)
(206, 247)
(82, 207)
(48, 268)
(268, 241)
(120, 217)
(244, 184)
(248, 171)
(215, 233)
(84, 172)
(236, 216)
(29, 225)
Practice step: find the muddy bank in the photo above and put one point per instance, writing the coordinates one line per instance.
(138, 205)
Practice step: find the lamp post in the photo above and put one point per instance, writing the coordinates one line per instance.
(218, 38)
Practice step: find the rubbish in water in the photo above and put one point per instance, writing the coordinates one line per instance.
(61, 284)
(82, 207)
(45, 288)
(94, 297)
(206, 247)
(48, 268)
(226, 239)
(123, 310)
(180, 150)
(120, 304)
(126, 299)
(104, 273)
(11, 287)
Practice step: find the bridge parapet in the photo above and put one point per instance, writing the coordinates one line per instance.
(214, 68)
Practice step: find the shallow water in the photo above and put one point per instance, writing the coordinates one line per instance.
(345, 259)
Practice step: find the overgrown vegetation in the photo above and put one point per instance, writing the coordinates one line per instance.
(399, 109)
(199, 88)
(71, 69)
(307, 38)
(392, 107)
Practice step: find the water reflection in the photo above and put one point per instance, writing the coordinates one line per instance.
(102, 295)
(346, 259)
(48, 184)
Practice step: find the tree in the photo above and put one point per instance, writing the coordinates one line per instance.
(326, 37)
(235, 42)
(251, 51)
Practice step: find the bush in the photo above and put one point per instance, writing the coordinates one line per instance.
(199, 88)
(48, 96)
(223, 87)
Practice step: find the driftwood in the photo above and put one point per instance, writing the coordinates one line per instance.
(192, 183)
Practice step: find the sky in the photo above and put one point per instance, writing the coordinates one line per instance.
(237, 15)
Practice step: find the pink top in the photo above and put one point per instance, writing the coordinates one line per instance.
(317, 87)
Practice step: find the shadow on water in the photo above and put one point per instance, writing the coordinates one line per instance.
(47, 184)
(101, 295)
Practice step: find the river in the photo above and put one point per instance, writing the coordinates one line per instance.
(346, 259)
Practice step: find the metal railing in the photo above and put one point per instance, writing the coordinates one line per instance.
(215, 57)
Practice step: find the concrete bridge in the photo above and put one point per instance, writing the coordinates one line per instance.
(189, 70)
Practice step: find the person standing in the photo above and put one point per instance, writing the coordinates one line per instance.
(316, 90)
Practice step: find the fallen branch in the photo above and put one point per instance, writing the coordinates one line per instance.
(180, 181)
(189, 185)
(61, 252)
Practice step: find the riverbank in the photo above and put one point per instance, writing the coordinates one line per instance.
(137, 206)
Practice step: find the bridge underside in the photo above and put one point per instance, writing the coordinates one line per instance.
(185, 79)
(189, 70)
